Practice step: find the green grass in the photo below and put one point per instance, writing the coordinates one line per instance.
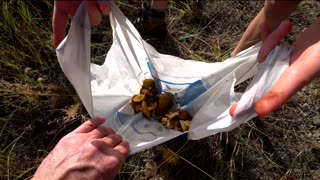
(38, 105)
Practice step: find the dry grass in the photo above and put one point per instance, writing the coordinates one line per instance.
(39, 106)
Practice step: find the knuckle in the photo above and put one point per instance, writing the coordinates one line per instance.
(126, 153)
(117, 137)
(105, 130)
(125, 144)
(96, 145)
(113, 138)
(123, 149)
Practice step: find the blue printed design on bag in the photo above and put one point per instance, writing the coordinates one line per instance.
(149, 67)
(124, 118)
(141, 127)
(192, 92)
(183, 93)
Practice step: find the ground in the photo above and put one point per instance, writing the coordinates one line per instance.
(38, 105)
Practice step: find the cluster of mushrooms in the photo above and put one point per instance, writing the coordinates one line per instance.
(153, 104)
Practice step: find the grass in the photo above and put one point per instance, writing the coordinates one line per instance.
(38, 105)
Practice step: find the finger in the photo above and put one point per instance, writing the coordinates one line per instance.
(101, 131)
(264, 31)
(300, 73)
(59, 25)
(123, 148)
(89, 125)
(94, 13)
(232, 109)
(112, 140)
(273, 39)
(104, 7)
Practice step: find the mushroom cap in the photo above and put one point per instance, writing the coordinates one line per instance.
(148, 84)
(164, 102)
(138, 98)
(184, 115)
(145, 91)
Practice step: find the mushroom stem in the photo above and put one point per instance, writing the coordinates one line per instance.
(172, 115)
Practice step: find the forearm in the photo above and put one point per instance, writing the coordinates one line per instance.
(272, 14)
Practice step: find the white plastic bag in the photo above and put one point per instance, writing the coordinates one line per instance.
(205, 90)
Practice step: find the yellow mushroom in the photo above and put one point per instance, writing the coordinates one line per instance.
(184, 115)
(136, 102)
(185, 125)
(148, 84)
(138, 98)
(164, 102)
(148, 110)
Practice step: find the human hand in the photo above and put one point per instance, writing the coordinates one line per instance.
(89, 152)
(304, 65)
(63, 9)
